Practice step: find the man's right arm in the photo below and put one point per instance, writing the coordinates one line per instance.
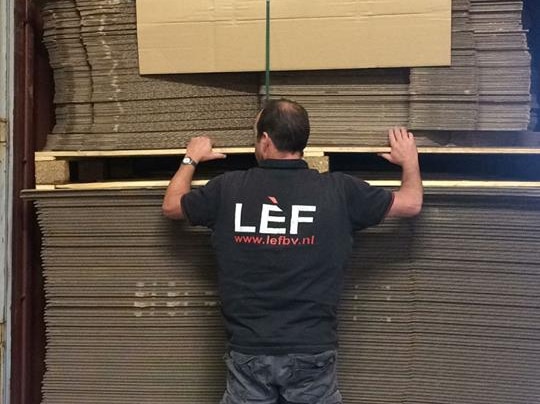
(199, 149)
(409, 198)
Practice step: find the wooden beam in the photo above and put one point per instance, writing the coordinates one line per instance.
(380, 183)
(48, 155)
(309, 151)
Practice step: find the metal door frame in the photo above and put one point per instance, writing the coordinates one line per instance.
(6, 102)
(32, 119)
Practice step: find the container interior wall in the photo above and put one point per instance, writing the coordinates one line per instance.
(132, 312)
(442, 308)
(31, 106)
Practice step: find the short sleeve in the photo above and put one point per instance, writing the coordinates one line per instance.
(200, 206)
(367, 205)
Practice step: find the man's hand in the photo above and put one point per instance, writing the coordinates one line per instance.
(200, 149)
(403, 147)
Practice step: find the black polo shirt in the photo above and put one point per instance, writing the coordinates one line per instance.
(282, 235)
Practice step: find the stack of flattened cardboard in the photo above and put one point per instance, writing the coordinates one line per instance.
(473, 291)
(503, 61)
(535, 104)
(103, 103)
(440, 309)
(485, 88)
(531, 22)
(347, 107)
(446, 98)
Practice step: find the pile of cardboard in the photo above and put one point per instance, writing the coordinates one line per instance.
(503, 64)
(446, 98)
(485, 88)
(347, 106)
(440, 309)
(531, 21)
(535, 106)
(103, 103)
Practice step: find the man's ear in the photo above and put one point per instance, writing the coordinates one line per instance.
(266, 142)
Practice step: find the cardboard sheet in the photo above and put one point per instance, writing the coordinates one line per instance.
(203, 36)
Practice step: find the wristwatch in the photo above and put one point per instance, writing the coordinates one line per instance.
(188, 161)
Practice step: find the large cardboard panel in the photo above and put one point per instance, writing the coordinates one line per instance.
(203, 36)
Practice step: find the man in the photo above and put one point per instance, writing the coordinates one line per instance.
(282, 235)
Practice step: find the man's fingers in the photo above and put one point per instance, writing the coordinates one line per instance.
(219, 156)
(401, 133)
(392, 136)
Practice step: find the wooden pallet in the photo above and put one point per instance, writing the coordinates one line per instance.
(55, 168)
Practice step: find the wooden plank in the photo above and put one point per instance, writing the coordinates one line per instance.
(477, 150)
(309, 151)
(427, 150)
(380, 183)
(47, 155)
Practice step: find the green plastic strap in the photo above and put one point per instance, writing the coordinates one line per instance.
(267, 75)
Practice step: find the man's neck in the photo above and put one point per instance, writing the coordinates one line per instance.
(279, 155)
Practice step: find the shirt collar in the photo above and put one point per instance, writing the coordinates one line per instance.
(282, 163)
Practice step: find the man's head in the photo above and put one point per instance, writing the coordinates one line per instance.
(286, 124)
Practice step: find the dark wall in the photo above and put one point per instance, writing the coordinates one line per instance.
(33, 117)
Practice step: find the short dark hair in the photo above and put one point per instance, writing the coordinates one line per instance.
(287, 124)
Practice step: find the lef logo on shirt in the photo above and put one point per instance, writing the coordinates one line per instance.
(272, 219)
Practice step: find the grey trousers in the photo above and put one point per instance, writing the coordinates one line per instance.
(282, 379)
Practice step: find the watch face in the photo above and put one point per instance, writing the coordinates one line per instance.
(189, 161)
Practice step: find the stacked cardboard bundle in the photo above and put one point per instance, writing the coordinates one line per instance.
(443, 308)
(446, 98)
(503, 64)
(348, 106)
(103, 103)
(531, 22)
(535, 111)
(476, 299)
(132, 312)
(485, 88)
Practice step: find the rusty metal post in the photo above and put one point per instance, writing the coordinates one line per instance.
(31, 121)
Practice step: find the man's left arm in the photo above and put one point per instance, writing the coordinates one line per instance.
(199, 150)
(408, 199)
